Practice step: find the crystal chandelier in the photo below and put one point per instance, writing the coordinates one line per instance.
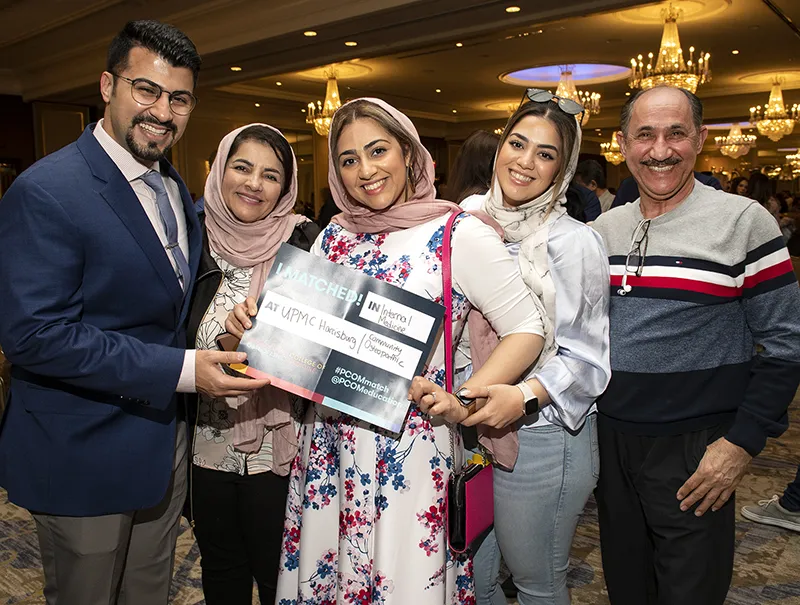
(736, 144)
(670, 67)
(612, 152)
(794, 159)
(320, 115)
(774, 121)
(566, 89)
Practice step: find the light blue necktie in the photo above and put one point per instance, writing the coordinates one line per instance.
(156, 183)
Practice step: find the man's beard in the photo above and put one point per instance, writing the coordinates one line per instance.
(151, 151)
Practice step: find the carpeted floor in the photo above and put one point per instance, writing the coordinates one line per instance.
(767, 566)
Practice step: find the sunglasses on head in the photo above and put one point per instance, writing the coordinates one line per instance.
(568, 106)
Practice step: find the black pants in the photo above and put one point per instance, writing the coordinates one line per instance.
(791, 496)
(239, 528)
(654, 554)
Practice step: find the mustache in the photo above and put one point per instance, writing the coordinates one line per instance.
(148, 119)
(660, 163)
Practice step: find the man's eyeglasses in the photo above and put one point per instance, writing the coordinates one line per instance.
(145, 92)
(634, 262)
(537, 95)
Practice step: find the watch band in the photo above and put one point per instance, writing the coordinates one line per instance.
(528, 397)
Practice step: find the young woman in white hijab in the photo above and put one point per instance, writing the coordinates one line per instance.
(563, 262)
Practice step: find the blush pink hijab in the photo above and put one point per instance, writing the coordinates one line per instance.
(421, 207)
(248, 244)
(264, 414)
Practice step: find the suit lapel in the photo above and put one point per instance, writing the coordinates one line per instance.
(119, 195)
(122, 199)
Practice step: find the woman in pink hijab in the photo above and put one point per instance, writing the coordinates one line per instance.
(365, 519)
(242, 447)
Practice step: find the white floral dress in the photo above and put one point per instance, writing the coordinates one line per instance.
(365, 519)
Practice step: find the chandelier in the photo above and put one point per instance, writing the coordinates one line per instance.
(612, 152)
(670, 67)
(774, 121)
(794, 160)
(320, 115)
(736, 144)
(566, 89)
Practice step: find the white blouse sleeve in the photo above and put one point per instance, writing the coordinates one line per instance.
(487, 275)
(579, 372)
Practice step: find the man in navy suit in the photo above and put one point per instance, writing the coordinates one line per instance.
(99, 247)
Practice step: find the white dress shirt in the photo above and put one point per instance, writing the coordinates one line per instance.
(132, 169)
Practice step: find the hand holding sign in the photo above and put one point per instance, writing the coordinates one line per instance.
(337, 336)
(239, 319)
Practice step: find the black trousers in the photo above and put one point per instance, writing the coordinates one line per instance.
(239, 528)
(653, 553)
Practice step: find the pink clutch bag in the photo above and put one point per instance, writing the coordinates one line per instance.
(470, 492)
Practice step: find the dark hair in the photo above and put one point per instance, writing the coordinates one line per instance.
(591, 170)
(735, 183)
(781, 196)
(566, 126)
(168, 42)
(472, 168)
(759, 188)
(695, 104)
(270, 138)
(574, 205)
(362, 108)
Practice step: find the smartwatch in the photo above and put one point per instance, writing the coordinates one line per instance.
(530, 402)
(467, 402)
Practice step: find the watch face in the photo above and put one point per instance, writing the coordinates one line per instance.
(532, 406)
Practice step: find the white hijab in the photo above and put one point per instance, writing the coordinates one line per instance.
(529, 226)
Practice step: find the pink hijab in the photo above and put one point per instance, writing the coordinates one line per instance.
(248, 244)
(420, 208)
(266, 413)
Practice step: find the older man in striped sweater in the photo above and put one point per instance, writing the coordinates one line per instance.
(699, 277)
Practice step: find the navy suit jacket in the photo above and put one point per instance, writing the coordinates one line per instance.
(92, 315)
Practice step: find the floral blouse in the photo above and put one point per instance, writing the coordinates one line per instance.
(213, 441)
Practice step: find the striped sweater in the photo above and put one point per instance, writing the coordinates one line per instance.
(717, 281)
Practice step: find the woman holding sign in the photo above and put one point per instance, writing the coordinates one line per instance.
(243, 447)
(564, 263)
(365, 516)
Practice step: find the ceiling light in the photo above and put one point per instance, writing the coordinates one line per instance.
(627, 94)
(236, 68)
(512, 9)
(566, 89)
(669, 67)
(309, 34)
(459, 44)
(278, 83)
(258, 104)
(455, 111)
(611, 151)
(320, 115)
(736, 144)
(734, 52)
(438, 90)
(775, 120)
(351, 43)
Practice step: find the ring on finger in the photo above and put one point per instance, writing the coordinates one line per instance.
(433, 396)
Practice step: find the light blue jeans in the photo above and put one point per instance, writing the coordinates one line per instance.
(536, 511)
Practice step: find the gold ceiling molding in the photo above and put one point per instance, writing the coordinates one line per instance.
(509, 106)
(344, 71)
(693, 10)
(790, 78)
